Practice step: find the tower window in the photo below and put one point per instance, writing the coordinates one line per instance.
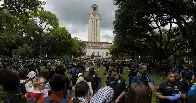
(106, 53)
(94, 8)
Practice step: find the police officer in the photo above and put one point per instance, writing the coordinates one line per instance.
(118, 84)
(143, 77)
(94, 79)
(168, 91)
(188, 75)
(191, 96)
(181, 83)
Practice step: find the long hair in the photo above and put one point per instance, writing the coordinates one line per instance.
(138, 93)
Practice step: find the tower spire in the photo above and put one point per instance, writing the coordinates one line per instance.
(94, 25)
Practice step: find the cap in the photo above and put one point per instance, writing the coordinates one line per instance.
(31, 74)
(80, 74)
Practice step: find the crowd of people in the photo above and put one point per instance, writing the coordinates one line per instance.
(24, 81)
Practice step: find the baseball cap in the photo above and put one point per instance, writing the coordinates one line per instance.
(80, 74)
(31, 74)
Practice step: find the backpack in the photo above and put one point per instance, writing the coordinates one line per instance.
(33, 100)
(48, 100)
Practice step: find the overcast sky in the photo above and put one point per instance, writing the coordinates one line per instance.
(73, 14)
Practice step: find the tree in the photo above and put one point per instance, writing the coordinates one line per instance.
(27, 30)
(24, 51)
(45, 22)
(10, 35)
(61, 42)
(78, 47)
(21, 8)
(13, 17)
(161, 25)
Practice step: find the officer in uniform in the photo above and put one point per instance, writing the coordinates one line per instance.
(191, 96)
(168, 91)
(181, 83)
(188, 75)
(118, 84)
(94, 79)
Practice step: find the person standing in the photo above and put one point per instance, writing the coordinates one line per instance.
(94, 79)
(168, 91)
(119, 86)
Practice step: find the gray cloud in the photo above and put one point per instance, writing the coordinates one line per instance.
(73, 14)
(107, 37)
(77, 11)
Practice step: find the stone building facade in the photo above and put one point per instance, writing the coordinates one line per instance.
(96, 48)
(94, 25)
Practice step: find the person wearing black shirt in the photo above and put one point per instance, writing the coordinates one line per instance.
(181, 83)
(118, 84)
(94, 79)
(168, 91)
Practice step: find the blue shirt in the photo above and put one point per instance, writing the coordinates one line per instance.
(192, 90)
(72, 71)
(179, 66)
(138, 79)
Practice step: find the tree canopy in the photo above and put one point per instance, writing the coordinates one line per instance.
(27, 30)
(157, 28)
